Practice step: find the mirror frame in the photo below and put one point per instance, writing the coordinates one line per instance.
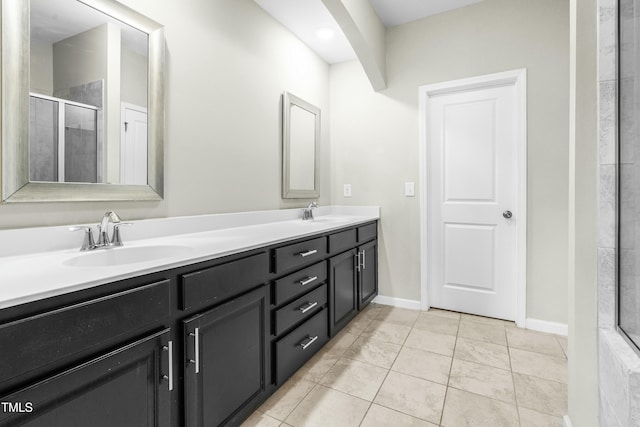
(289, 100)
(14, 106)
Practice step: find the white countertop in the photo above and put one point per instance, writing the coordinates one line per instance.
(39, 263)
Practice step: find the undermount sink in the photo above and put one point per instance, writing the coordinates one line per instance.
(126, 255)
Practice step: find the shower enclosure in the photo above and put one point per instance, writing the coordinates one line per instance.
(65, 143)
(628, 295)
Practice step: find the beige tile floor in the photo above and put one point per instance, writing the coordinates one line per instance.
(393, 367)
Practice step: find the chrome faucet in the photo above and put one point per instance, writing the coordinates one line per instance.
(103, 227)
(307, 213)
(104, 242)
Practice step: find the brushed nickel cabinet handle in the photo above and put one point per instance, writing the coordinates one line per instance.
(196, 360)
(169, 377)
(308, 280)
(308, 307)
(357, 261)
(308, 342)
(364, 260)
(307, 253)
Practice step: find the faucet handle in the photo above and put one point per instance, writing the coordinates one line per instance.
(88, 243)
(116, 239)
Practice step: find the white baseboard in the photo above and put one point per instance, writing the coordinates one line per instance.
(533, 324)
(397, 302)
(546, 326)
(566, 421)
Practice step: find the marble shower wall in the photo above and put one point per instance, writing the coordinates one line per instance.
(618, 364)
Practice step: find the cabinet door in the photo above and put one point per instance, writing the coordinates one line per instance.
(343, 290)
(227, 360)
(368, 283)
(126, 387)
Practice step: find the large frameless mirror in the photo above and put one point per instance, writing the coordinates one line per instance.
(301, 144)
(82, 98)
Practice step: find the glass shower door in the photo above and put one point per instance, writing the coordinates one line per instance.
(64, 142)
(628, 304)
(80, 144)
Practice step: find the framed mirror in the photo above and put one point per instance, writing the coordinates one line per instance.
(82, 102)
(300, 148)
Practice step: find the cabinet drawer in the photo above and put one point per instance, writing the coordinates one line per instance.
(299, 282)
(121, 388)
(367, 232)
(300, 309)
(57, 335)
(223, 281)
(299, 254)
(342, 241)
(297, 347)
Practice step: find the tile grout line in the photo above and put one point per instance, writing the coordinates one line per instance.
(446, 390)
(513, 379)
(317, 383)
(381, 384)
(341, 357)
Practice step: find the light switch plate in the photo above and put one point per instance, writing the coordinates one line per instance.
(409, 189)
(347, 190)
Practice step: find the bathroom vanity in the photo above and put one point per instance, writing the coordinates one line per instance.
(196, 342)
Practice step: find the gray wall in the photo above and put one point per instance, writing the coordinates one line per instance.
(374, 136)
(79, 59)
(133, 78)
(41, 68)
(227, 64)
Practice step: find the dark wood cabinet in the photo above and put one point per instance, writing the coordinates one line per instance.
(198, 345)
(343, 290)
(353, 278)
(58, 337)
(227, 360)
(368, 274)
(129, 386)
(294, 349)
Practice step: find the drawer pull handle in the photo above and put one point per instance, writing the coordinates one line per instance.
(309, 341)
(308, 280)
(196, 361)
(169, 377)
(308, 307)
(306, 254)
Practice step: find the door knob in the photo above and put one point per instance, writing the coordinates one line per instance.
(507, 214)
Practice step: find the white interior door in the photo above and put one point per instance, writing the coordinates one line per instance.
(472, 173)
(133, 149)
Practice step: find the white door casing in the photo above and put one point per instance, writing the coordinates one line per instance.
(134, 145)
(473, 169)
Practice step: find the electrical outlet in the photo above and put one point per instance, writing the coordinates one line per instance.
(347, 190)
(409, 189)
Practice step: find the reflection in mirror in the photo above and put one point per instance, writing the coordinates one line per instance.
(88, 96)
(83, 102)
(301, 142)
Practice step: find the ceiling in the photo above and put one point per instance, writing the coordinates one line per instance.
(305, 17)
(398, 12)
(55, 20)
